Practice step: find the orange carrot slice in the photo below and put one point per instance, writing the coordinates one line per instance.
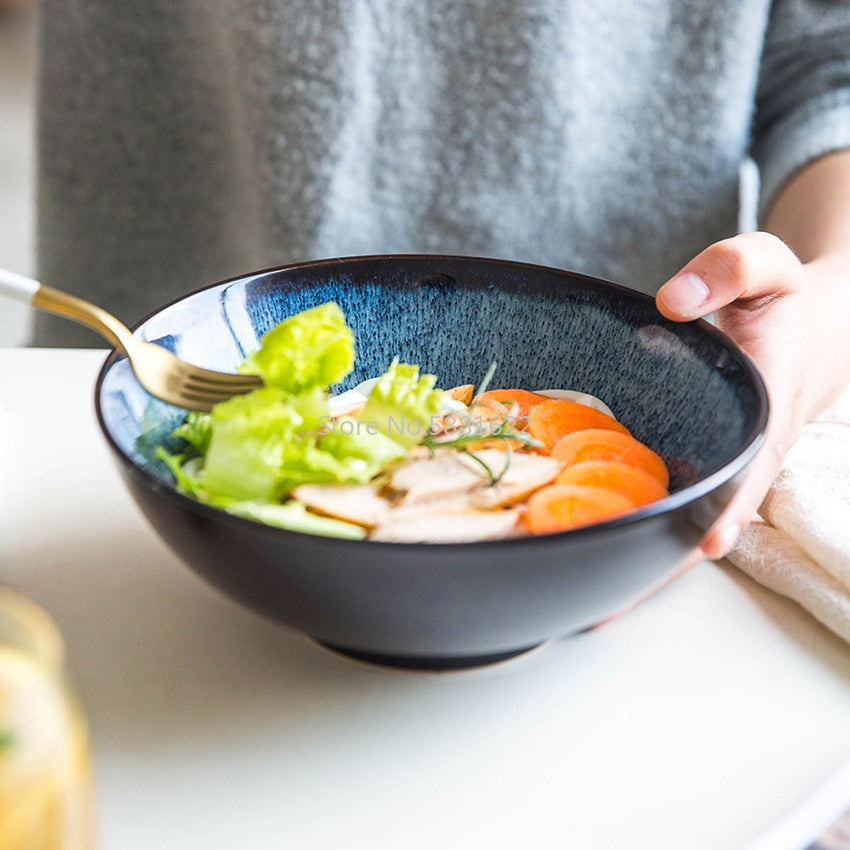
(637, 486)
(523, 399)
(554, 418)
(560, 507)
(605, 444)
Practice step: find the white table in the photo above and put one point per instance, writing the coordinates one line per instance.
(694, 722)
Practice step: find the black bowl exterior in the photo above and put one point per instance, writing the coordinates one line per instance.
(441, 603)
(683, 389)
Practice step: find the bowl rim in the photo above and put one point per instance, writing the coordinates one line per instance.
(674, 501)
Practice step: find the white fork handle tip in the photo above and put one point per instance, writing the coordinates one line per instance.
(16, 286)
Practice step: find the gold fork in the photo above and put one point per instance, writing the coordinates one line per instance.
(157, 369)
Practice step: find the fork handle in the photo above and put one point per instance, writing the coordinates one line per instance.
(68, 306)
(17, 286)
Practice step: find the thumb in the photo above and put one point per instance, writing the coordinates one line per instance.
(748, 267)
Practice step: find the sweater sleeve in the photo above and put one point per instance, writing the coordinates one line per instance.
(803, 99)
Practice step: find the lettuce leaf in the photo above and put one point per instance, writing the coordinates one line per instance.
(251, 451)
(293, 516)
(187, 472)
(196, 430)
(314, 348)
(403, 404)
(267, 442)
(252, 437)
(370, 449)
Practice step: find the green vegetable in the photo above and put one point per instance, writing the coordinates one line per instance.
(293, 516)
(265, 443)
(187, 472)
(249, 453)
(196, 430)
(403, 404)
(256, 448)
(252, 438)
(314, 348)
(369, 449)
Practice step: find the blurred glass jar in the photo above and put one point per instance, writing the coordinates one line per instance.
(45, 769)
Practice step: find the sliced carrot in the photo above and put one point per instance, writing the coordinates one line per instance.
(523, 399)
(637, 486)
(502, 444)
(560, 507)
(605, 444)
(492, 409)
(554, 418)
(463, 393)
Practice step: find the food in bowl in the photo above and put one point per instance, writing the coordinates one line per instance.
(400, 460)
(683, 389)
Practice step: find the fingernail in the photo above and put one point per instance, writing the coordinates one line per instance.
(685, 294)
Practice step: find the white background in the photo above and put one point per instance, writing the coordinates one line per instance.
(17, 73)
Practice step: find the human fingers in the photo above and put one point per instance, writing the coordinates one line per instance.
(721, 537)
(752, 268)
(756, 286)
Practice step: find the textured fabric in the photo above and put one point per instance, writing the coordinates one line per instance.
(799, 545)
(185, 141)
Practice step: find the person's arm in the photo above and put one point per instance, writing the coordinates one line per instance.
(783, 294)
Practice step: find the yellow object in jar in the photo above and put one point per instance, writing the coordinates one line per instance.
(45, 777)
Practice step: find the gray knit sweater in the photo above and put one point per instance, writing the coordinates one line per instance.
(184, 141)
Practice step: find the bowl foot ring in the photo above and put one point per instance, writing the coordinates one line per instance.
(434, 663)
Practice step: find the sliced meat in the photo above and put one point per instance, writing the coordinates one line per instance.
(357, 503)
(432, 527)
(435, 476)
(521, 475)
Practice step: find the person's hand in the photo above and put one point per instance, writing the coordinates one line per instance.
(767, 301)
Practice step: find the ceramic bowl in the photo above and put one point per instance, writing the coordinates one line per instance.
(684, 389)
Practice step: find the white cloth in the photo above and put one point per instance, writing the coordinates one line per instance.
(799, 545)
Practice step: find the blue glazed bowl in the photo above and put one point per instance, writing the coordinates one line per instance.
(684, 389)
